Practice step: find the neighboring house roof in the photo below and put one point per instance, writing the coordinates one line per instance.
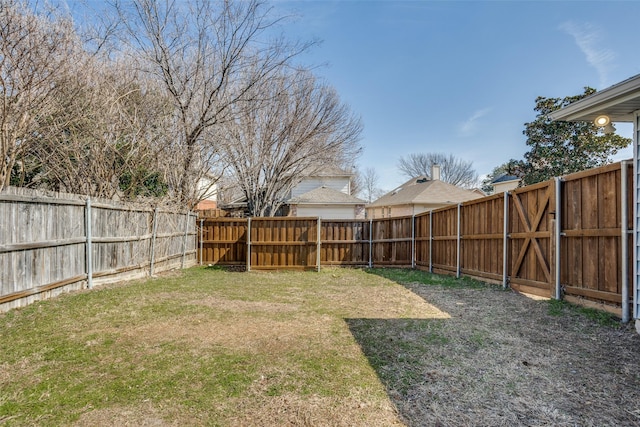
(240, 202)
(505, 178)
(324, 195)
(421, 190)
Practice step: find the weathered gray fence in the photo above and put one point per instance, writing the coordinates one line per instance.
(52, 243)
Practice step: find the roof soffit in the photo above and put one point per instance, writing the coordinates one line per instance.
(619, 102)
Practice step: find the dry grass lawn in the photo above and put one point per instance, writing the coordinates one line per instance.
(337, 348)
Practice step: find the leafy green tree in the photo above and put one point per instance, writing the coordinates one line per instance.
(559, 148)
(512, 167)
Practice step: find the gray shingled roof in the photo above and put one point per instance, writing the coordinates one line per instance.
(325, 195)
(420, 190)
(505, 178)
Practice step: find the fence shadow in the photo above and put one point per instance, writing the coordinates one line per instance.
(395, 349)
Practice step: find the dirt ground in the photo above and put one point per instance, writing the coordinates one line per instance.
(503, 359)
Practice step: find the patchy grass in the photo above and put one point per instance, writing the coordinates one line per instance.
(558, 308)
(341, 347)
(425, 278)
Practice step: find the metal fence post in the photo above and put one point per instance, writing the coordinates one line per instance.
(413, 241)
(201, 237)
(248, 244)
(370, 242)
(624, 242)
(458, 244)
(184, 238)
(318, 243)
(505, 242)
(88, 246)
(431, 241)
(154, 233)
(558, 236)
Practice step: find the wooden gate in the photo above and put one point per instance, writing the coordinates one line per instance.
(532, 220)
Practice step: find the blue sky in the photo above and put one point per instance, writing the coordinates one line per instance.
(461, 77)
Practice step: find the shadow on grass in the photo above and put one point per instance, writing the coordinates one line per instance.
(402, 350)
(228, 268)
(396, 348)
(404, 276)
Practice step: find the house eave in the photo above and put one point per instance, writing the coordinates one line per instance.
(619, 102)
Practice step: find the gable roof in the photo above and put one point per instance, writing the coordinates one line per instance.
(325, 195)
(421, 190)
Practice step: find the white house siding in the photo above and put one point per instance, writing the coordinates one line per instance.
(400, 210)
(334, 182)
(327, 212)
(390, 211)
(636, 221)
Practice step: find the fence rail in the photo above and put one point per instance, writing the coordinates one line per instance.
(51, 243)
(568, 237)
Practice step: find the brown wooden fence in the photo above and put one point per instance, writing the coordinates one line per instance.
(482, 242)
(345, 242)
(597, 220)
(51, 243)
(514, 238)
(531, 223)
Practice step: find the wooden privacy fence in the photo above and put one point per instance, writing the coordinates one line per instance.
(305, 243)
(564, 238)
(51, 243)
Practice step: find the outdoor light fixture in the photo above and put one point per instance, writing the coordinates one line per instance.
(602, 121)
(609, 129)
(605, 122)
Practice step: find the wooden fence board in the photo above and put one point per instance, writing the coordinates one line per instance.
(531, 211)
(592, 221)
(422, 239)
(391, 241)
(482, 236)
(344, 242)
(444, 244)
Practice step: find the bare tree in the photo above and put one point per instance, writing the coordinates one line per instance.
(210, 56)
(301, 127)
(34, 50)
(370, 185)
(100, 139)
(452, 169)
